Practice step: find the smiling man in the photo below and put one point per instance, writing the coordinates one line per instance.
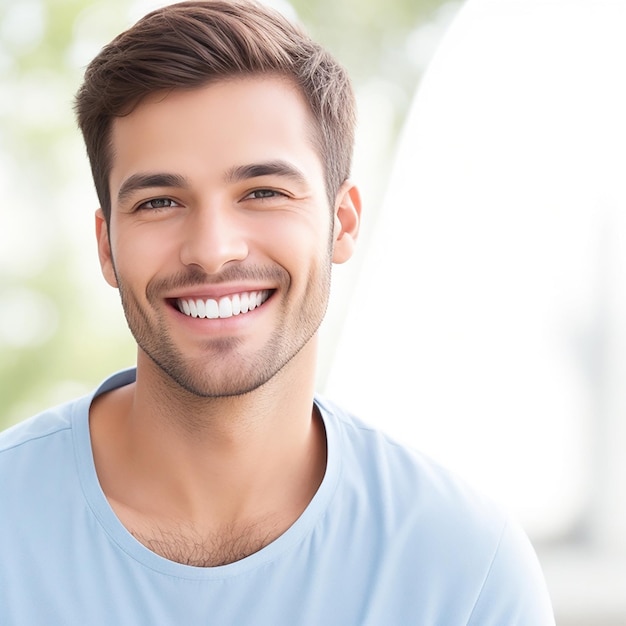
(210, 485)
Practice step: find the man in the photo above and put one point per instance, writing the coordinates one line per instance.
(209, 485)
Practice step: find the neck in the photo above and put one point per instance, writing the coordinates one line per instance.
(213, 463)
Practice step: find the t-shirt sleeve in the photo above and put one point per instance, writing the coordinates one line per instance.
(514, 592)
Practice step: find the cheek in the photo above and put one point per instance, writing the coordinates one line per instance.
(141, 252)
(293, 240)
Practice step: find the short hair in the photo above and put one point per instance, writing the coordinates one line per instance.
(194, 43)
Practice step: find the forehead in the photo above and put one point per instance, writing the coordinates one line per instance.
(224, 124)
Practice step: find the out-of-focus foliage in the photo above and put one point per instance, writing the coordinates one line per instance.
(48, 348)
(59, 330)
(374, 38)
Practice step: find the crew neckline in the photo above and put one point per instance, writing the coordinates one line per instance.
(134, 549)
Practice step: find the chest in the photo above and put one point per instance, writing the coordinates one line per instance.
(189, 545)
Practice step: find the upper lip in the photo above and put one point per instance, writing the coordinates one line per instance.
(215, 292)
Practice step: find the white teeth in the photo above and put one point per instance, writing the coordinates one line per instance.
(244, 300)
(226, 307)
(236, 304)
(212, 310)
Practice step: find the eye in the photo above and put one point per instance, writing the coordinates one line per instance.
(157, 203)
(262, 194)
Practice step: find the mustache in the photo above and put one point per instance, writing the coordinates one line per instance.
(195, 276)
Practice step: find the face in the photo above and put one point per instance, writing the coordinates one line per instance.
(221, 239)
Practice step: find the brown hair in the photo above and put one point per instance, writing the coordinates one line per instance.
(190, 44)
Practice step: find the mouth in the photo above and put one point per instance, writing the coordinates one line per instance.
(227, 306)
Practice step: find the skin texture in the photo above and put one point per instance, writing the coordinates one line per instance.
(216, 449)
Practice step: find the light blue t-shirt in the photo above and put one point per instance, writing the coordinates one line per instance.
(390, 539)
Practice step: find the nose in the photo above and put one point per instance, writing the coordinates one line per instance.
(214, 236)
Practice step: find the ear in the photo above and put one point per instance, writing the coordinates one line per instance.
(347, 222)
(104, 249)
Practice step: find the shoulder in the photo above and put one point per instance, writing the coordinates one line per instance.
(40, 448)
(42, 426)
(514, 589)
(58, 420)
(37, 457)
(451, 537)
(45, 444)
(407, 477)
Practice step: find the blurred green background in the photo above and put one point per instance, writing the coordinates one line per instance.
(61, 328)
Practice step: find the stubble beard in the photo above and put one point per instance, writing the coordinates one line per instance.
(226, 371)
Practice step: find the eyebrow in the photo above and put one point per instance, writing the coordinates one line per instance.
(137, 182)
(235, 174)
(269, 168)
